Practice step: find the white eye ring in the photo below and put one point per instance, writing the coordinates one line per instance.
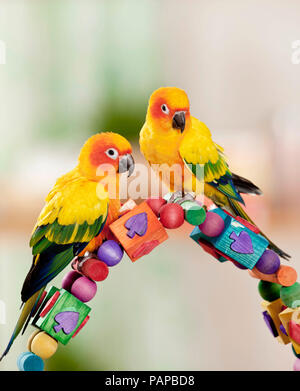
(165, 109)
(112, 153)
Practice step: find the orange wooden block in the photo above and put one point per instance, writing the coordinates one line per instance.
(285, 275)
(139, 231)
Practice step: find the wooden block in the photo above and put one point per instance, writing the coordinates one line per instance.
(285, 317)
(236, 241)
(274, 308)
(64, 317)
(52, 290)
(285, 275)
(139, 231)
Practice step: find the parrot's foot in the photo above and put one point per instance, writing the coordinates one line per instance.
(179, 197)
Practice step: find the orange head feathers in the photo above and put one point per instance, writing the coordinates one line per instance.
(169, 109)
(109, 149)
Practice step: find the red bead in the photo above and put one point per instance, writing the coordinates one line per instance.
(155, 204)
(171, 216)
(213, 225)
(84, 289)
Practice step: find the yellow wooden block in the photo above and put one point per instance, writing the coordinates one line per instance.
(274, 308)
(285, 317)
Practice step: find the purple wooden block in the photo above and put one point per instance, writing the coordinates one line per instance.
(110, 252)
(84, 289)
(137, 224)
(270, 323)
(67, 321)
(242, 244)
(69, 279)
(268, 263)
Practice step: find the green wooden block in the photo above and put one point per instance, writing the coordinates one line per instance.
(64, 318)
(269, 291)
(52, 289)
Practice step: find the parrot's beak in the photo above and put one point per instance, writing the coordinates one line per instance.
(126, 163)
(178, 121)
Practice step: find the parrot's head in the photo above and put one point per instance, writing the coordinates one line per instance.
(169, 110)
(105, 150)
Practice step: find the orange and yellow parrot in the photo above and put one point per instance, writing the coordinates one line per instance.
(171, 136)
(77, 210)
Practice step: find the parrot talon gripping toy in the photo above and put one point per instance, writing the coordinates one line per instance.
(83, 226)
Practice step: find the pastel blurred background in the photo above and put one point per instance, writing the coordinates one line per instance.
(77, 67)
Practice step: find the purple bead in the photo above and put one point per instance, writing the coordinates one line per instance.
(296, 366)
(84, 289)
(69, 279)
(110, 252)
(268, 263)
(213, 225)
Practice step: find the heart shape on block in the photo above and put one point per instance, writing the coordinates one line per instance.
(67, 321)
(241, 244)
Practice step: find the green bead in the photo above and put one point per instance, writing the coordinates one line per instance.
(297, 355)
(193, 212)
(269, 291)
(290, 295)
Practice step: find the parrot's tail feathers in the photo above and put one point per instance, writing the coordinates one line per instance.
(245, 186)
(239, 211)
(26, 311)
(40, 292)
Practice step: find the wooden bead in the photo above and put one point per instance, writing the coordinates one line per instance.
(268, 263)
(84, 289)
(296, 366)
(31, 338)
(171, 216)
(193, 212)
(268, 290)
(155, 204)
(43, 345)
(290, 294)
(69, 279)
(213, 225)
(91, 268)
(28, 361)
(110, 252)
(285, 275)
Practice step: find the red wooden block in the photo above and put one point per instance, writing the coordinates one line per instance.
(139, 231)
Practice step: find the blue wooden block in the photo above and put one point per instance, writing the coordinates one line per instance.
(237, 241)
(28, 361)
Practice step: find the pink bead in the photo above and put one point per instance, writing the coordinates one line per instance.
(69, 279)
(84, 289)
(213, 225)
(296, 366)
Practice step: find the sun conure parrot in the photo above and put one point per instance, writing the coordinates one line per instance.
(77, 210)
(171, 136)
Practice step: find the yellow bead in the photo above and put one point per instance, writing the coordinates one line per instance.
(31, 338)
(43, 345)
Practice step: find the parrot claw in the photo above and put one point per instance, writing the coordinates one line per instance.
(179, 197)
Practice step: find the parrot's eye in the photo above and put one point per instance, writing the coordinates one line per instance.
(112, 153)
(164, 109)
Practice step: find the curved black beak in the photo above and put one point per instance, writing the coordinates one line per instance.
(179, 120)
(126, 163)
